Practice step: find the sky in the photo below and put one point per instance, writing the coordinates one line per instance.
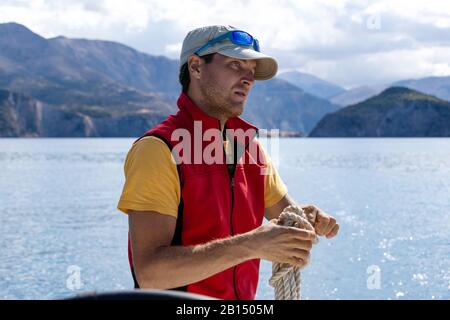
(350, 43)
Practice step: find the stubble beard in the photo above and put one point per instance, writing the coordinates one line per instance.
(219, 104)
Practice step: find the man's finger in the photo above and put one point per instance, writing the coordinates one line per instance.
(330, 226)
(302, 234)
(321, 225)
(333, 232)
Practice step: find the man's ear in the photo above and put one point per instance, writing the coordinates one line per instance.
(194, 64)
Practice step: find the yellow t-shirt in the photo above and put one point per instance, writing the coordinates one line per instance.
(152, 182)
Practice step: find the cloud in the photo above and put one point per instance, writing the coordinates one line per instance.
(348, 42)
(383, 67)
(174, 48)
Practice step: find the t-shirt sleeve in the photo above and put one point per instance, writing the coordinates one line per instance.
(274, 187)
(151, 179)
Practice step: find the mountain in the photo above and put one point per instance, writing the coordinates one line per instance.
(356, 95)
(396, 112)
(436, 86)
(311, 84)
(114, 90)
(23, 116)
(278, 104)
(75, 72)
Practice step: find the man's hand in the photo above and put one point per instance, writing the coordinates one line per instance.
(280, 243)
(324, 224)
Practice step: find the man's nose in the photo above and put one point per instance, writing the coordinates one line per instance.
(248, 78)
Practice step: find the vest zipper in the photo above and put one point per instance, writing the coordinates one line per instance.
(232, 231)
(232, 206)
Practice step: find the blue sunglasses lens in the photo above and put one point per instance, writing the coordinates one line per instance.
(242, 38)
(237, 37)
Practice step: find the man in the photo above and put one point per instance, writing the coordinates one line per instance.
(198, 226)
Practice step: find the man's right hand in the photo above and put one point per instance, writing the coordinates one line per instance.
(282, 244)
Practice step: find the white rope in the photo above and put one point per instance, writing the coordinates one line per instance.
(286, 277)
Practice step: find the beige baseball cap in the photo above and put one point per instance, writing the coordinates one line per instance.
(266, 66)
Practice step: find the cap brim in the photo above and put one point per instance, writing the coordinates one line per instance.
(266, 66)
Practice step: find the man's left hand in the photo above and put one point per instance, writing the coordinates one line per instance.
(324, 224)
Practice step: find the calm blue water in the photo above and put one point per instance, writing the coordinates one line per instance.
(391, 196)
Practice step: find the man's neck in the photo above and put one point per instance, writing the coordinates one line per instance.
(200, 103)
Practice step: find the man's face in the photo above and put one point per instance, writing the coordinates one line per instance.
(225, 84)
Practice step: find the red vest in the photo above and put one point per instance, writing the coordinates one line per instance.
(215, 203)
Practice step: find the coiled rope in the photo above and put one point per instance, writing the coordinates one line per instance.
(286, 277)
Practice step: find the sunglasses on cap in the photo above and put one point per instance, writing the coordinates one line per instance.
(238, 37)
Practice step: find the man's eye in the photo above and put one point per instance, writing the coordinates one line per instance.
(235, 65)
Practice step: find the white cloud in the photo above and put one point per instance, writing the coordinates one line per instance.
(341, 41)
(174, 48)
(383, 67)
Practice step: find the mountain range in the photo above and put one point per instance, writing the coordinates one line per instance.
(88, 88)
(109, 83)
(436, 86)
(312, 84)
